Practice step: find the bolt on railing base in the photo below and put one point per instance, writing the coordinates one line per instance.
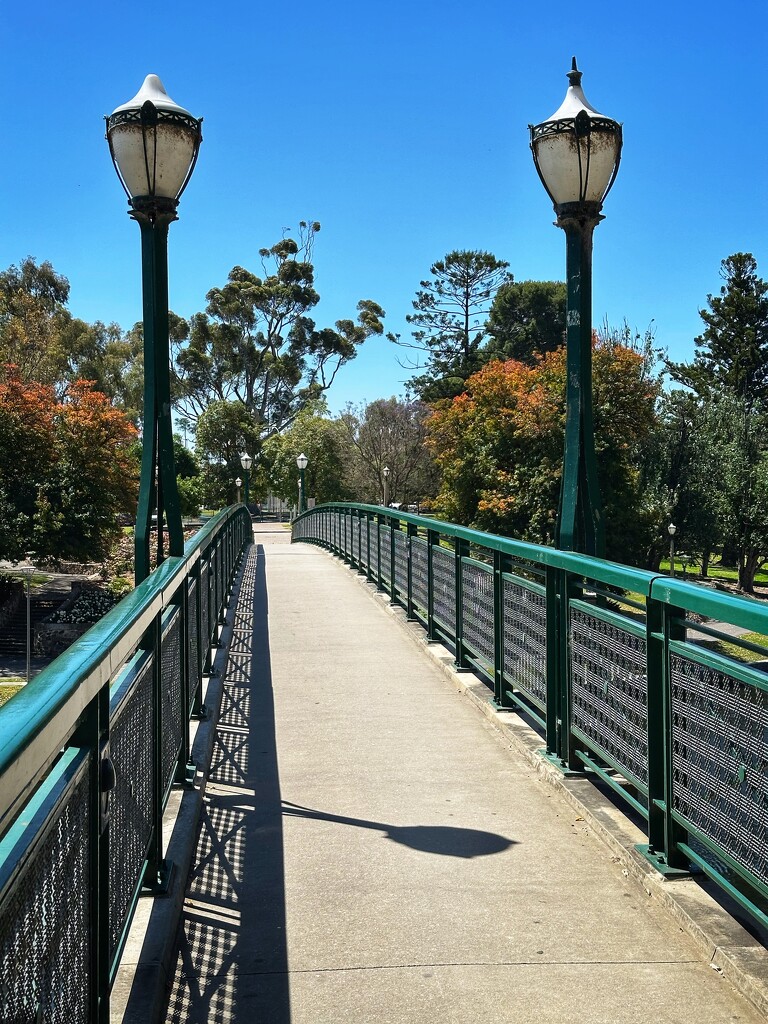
(557, 762)
(159, 883)
(659, 862)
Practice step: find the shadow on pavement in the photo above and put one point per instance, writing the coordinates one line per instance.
(232, 956)
(444, 840)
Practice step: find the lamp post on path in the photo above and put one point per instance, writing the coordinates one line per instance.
(302, 462)
(154, 145)
(577, 153)
(246, 462)
(238, 485)
(672, 530)
(386, 486)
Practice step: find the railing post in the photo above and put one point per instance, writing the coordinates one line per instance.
(663, 624)
(353, 534)
(412, 531)
(391, 557)
(158, 872)
(185, 769)
(433, 540)
(368, 520)
(500, 566)
(461, 550)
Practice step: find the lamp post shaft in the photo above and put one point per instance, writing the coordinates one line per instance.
(386, 491)
(302, 496)
(247, 492)
(580, 525)
(672, 556)
(157, 488)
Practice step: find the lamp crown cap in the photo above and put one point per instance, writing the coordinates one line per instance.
(575, 101)
(153, 91)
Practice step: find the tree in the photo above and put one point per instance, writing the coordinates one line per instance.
(450, 321)
(390, 432)
(500, 446)
(729, 375)
(325, 443)
(256, 345)
(527, 319)
(67, 468)
(732, 353)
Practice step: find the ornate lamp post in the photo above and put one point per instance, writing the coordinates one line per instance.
(301, 462)
(246, 462)
(154, 145)
(577, 153)
(672, 530)
(238, 485)
(386, 486)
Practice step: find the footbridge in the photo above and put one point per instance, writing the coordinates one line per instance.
(383, 768)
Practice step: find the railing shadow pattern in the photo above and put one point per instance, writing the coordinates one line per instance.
(224, 935)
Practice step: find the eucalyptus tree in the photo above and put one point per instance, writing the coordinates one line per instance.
(257, 345)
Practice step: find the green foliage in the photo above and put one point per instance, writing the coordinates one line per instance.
(450, 321)
(392, 433)
(527, 319)
(500, 447)
(257, 346)
(325, 443)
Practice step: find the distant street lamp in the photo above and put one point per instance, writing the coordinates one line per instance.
(672, 530)
(246, 462)
(301, 462)
(238, 485)
(577, 153)
(386, 486)
(154, 145)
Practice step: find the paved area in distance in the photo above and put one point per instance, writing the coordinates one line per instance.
(370, 851)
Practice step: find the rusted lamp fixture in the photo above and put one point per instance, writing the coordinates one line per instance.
(577, 152)
(154, 145)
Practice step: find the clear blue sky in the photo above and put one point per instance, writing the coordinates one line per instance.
(402, 128)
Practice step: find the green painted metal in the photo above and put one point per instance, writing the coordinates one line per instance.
(63, 719)
(584, 595)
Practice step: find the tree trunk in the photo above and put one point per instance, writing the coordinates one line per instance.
(705, 557)
(748, 563)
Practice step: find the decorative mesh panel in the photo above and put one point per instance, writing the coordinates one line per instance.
(609, 690)
(357, 539)
(374, 527)
(444, 587)
(419, 581)
(386, 562)
(172, 720)
(193, 642)
(45, 923)
(401, 563)
(205, 609)
(132, 752)
(525, 641)
(477, 610)
(720, 760)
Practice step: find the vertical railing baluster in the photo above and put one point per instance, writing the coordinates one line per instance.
(460, 551)
(410, 612)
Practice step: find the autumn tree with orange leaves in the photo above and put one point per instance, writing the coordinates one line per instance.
(500, 446)
(67, 469)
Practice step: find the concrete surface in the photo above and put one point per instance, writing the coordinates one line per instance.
(374, 849)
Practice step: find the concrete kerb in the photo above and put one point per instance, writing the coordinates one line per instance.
(140, 992)
(735, 954)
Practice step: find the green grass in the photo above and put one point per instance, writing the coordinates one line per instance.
(733, 650)
(716, 571)
(8, 689)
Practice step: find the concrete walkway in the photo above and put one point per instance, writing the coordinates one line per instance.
(372, 851)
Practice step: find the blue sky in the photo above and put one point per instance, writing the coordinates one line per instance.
(402, 128)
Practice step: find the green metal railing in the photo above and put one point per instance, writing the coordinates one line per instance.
(600, 657)
(89, 752)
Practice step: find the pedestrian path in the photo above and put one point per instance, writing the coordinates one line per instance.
(370, 850)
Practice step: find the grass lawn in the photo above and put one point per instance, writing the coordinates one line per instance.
(732, 650)
(716, 571)
(8, 688)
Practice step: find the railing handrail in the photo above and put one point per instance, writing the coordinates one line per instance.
(740, 609)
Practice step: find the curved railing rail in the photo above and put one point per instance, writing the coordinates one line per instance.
(89, 752)
(604, 659)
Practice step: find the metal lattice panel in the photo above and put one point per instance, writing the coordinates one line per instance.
(357, 535)
(193, 648)
(525, 640)
(444, 587)
(720, 760)
(172, 715)
(132, 752)
(401, 562)
(374, 528)
(477, 610)
(609, 691)
(45, 924)
(205, 604)
(386, 561)
(419, 582)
